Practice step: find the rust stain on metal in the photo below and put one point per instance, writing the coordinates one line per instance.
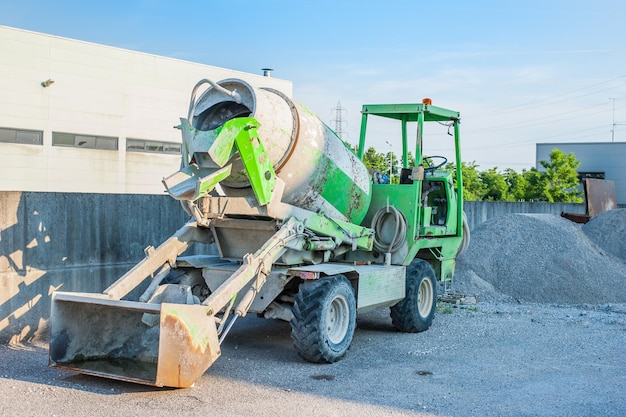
(355, 202)
(188, 344)
(599, 195)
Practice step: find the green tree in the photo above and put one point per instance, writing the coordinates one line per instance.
(561, 177)
(377, 161)
(374, 160)
(410, 159)
(535, 185)
(516, 183)
(496, 188)
(395, 167)
(473, 187)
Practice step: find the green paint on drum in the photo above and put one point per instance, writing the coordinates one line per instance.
(340, 190)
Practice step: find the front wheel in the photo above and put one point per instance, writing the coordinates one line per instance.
(324, 319)
(416, 311)
(465, 241)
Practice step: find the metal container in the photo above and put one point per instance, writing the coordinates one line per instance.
(320, 172)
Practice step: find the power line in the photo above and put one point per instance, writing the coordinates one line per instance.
(569, 137)
(546, 119)
(550, 100)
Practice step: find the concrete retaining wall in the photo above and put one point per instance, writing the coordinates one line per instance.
(73, 242)
(479, 211)
(84, 242)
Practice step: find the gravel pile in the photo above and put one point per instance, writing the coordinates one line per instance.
(544, 258)
(608, 230)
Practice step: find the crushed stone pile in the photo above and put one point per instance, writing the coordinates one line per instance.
(608, 230)
(545, 258)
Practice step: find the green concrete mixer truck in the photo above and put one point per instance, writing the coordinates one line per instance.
(302, 232)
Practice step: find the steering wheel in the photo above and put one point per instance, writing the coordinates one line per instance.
(427, 160)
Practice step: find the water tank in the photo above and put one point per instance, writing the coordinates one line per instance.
(320, 172)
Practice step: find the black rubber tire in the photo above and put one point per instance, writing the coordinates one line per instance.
(415, 313)
(466, 235)
(324, 319)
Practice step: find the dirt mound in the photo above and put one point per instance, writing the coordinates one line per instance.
(541, 258)
(608, 230)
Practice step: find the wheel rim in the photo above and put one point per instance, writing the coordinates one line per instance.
(425, 297)
(337, 319)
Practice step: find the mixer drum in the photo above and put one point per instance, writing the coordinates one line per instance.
(320, 172)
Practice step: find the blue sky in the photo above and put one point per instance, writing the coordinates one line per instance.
(519, 72)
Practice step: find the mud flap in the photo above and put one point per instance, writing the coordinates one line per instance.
(94, 335)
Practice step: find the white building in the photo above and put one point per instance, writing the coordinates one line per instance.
(604, 160)
(81, 117)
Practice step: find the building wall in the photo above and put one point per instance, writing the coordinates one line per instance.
(607, 157)
(101, 91)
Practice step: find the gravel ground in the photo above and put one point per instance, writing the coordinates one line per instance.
(502, 356)
(489, 359)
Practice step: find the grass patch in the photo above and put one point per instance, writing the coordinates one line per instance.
(444, 309)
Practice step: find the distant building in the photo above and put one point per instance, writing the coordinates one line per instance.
(604, 160)
(81, 117)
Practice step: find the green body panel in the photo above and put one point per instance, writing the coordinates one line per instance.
(379, 286)
(358, 236)
(339, 189)
(258, 165)
(241, 132)
(193, 182)
(403, 197)
(411, 112)
(207, 184)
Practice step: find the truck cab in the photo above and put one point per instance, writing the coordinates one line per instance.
(427, 195)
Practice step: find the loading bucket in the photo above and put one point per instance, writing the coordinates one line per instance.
(94, 335)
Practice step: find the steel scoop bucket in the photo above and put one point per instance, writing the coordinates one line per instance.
(92, 334)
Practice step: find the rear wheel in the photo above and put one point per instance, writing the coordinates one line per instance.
(416, 311)
(324, 319)
(466, 235)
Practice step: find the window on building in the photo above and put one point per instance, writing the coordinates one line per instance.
(84, 141)
(141, 145)
(29, 137)
(597, 175)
